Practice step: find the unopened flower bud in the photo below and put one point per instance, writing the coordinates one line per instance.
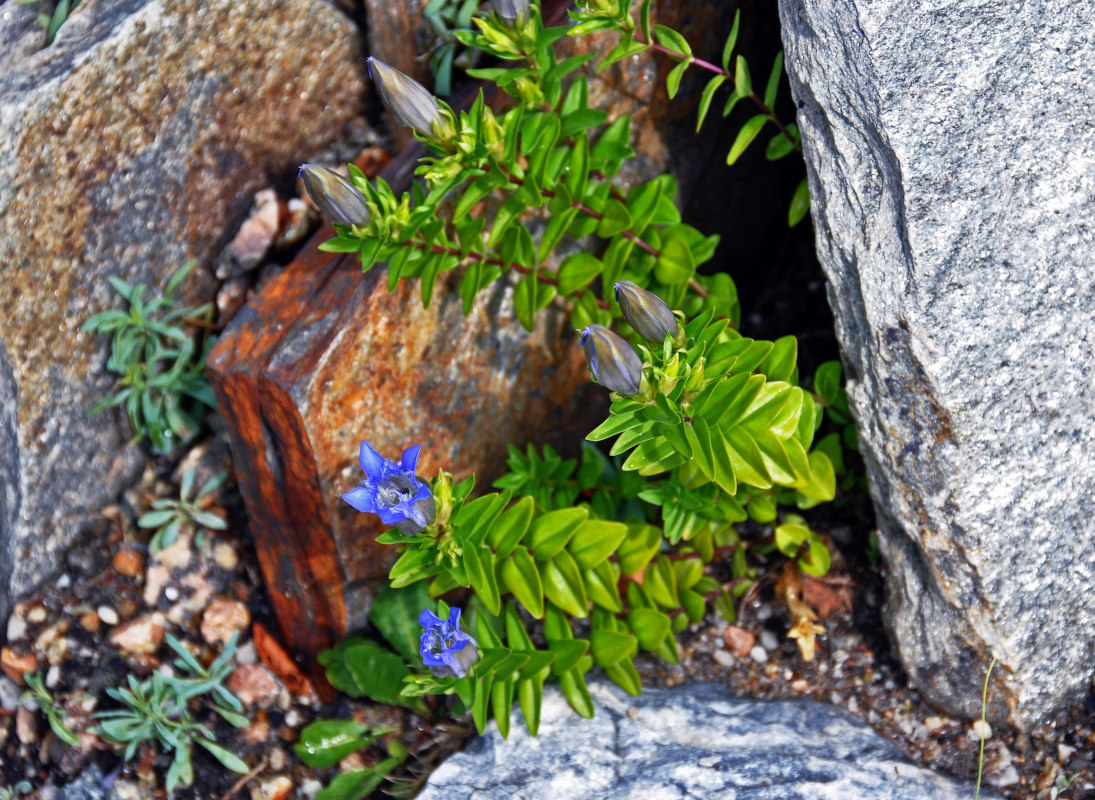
(614, 362)
(408, 100)
(335, 196)
(510, 10)
(647, 313)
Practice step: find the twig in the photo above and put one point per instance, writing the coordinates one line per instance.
(244, 780)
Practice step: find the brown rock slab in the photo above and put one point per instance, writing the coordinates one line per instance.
(324, 357)
(124, 147)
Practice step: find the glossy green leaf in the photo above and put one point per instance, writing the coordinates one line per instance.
(550, 532)
(577, 693)
(563, 585)
(567, 652)
(511, 526)
(327, 741)
(672, 40)
(611, 647)
(626, 677)
(705, 99)
(601, 585)
(745, 136)
(731, 41)
(649, 626)
(780, 146)
(395, 614)
(578, 269)
(615, 220)
(522, 579)
(640, 545)
(743, 84)
(502, 704)
(827, 382)
(675, 262)
(800, 204)
(660, 582)
(773, 82)
(529, 297)
(673, 79)
(595, 541)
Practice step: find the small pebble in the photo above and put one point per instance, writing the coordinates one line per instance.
(934, 723)
(800, 685)
(9, 694)
(246, 654)
(64, 581)
(1064, 752)
(768, 640)
(128, 562)
(141, 636)
(171, 593)
(16, 666)
(36, 616)
(278, 787)
(310, 788)
(108, 615)
(26, 727)
(17, 627)
(292, 719)
(764, 611)
(722, 657)
(759, 654)
(254, 684)
(981, 730)
(90, 622)
(223, 618)
(225, 556)
(276, 758)
(53, 677)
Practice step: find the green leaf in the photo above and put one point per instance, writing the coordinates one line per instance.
(642, 542)
(610, 648)
(773, 82)
(780, 145)
(673, 79)
(675, 263)
(800, 204)
(226, 757)
(743, 84)
(649, 626)
(826, 382)
(522, 579)
(364, 669)
(779, 364)
(660, 582)
(577, 172)
(510, 528)
(530, 694)
(745, 136)
(327, 741)
(626, 677)
(577, 693)
(731, 40)
(556, 227)
(395, 614)
(595, 541)
(670, 39)
(705, 99)
(356, 784)
(579, 269)
(563, 585)
(745, 458)
(616, 219)
(614, 425)
(502, 704)
(602, 586)
(530, 296)
(550, 532)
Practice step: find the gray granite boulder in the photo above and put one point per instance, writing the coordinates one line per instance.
(688, 743)
(949, 148)
(127, 147)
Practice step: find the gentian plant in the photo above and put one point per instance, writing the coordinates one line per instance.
(568, 566)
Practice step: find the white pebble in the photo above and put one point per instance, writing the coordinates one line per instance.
(53, 677)
(64, 581)
(723, 657)
(310, 788)
(107, 614)
(1064, 752)
(758, 654)
(17, 628)
(764, 611)
(171, 593)
(768, 640)
(246, 654)
(9, 694)
(981, 730)
(292, 718)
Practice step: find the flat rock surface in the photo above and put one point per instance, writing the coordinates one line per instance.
(688, 742)
(124, 147)
(949, 148)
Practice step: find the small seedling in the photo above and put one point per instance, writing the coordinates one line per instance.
(54, 713)
(168, 517)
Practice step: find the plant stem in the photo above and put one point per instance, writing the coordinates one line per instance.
(707, 65)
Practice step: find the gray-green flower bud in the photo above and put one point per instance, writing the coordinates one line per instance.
(408, 100)
(648, 314)
(335, 196)
(614, 362)
(511, 10)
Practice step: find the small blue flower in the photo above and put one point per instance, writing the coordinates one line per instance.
(445, 649)
(392, 491)
(614, 362)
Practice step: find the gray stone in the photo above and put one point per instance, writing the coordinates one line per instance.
(949, 149)
(127, 147)
(688, 743)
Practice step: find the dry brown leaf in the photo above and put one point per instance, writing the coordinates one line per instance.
(826, 597)
(282, 664)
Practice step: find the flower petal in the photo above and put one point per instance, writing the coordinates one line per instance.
(454, 618)
(362, 498)
(428, 619)
(371, 461)
(410, 459)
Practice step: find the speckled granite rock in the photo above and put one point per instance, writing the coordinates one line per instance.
(949, 148)
(688, 743)
(124, 148)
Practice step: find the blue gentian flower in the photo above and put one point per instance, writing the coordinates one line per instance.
(445, 649)
(614, 362)
(511, 10)
(392, 491)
